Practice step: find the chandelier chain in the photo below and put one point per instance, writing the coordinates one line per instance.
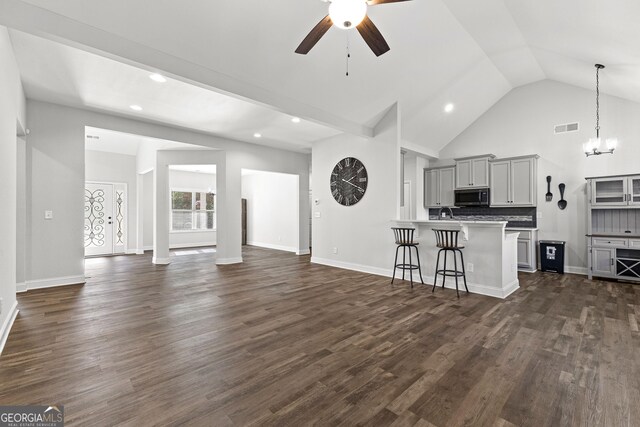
(597, 102)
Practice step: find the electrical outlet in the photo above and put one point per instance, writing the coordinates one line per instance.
(335, 250)
(470, 267)
(48, 214)
(539, 215)
(317, 215)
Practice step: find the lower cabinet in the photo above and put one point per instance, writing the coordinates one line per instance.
(602, 261)
(615, 258)
(527, 253)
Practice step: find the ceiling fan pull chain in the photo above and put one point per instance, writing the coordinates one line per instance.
(348, 54)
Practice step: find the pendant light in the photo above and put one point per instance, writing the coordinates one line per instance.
(592, 147)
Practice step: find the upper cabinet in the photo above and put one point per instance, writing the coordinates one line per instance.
(513, 181)
(615, 191)
(439, 184)
(473, 172)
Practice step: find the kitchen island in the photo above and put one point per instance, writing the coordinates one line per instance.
(490, 254)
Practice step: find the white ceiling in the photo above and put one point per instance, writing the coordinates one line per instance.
(57, 73)
(109, 141)
(467, 52)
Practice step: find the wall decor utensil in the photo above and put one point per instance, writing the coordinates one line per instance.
(549, 194)
(562, 203)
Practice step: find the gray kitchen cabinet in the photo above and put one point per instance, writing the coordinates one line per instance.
(603, 262)
(513, 181)
(615, 191)
(473, 172)
(527, 249)
(439, 184)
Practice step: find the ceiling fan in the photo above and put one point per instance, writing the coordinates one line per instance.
(347, 14)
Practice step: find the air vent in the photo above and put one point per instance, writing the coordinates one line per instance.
(567, 127)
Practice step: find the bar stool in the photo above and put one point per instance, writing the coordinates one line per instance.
(447, 241)
(404, 240)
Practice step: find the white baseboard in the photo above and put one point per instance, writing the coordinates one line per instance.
(272, 246)
(178, 246)
(351, 266)
(191, 245)
(7, 324)
(576, 270)
(160, 261)
(449, 284)
(54, 282)
(303, 252)
(139, 252)
(225, 261)
(21, 287)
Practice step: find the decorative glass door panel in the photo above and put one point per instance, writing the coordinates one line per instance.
(634, 190)
(609, 191)
(104, 219)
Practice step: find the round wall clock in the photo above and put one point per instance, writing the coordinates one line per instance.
(349, 181)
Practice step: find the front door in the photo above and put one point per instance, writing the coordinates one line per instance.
(104, 219)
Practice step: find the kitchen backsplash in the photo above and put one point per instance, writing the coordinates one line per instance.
(517, 217)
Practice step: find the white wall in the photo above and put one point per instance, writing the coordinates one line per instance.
(119, 168)
(361, 233)
(523, 122)
(272, 210)
(12, 117)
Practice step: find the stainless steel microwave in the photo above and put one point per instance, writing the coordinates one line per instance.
(478, 197)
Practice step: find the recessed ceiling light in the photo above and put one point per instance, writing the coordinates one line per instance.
(448, 108)
(296, 120)
(135, 107)
(157, 78)
(257, 135)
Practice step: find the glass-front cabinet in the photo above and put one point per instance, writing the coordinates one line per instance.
(615, 191)
(634, 190)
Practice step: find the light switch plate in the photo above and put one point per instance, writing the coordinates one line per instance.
(48, 214)
(317, 215)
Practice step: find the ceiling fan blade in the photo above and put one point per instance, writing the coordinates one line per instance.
(314, 35)
(372, 36)
(376, 2)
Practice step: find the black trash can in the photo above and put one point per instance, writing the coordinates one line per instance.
(552, 256)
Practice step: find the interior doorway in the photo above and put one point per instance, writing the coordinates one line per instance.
(105, 205)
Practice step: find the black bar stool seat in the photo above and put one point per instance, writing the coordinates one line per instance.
(404, 240)
(447, 241)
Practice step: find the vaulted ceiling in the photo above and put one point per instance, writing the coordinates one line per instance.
(466, 52)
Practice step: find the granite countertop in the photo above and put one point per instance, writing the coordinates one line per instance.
(450, 221)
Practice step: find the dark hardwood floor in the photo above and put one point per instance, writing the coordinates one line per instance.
(280, 341)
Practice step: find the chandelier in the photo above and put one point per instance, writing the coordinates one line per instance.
(592, 147)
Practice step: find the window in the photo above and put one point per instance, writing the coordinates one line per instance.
(192, 210)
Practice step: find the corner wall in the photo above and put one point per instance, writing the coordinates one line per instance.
(272, 210)
(523, 123)
(361, 233)
(12, 117)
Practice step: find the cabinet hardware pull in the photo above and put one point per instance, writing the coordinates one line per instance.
(611, 261)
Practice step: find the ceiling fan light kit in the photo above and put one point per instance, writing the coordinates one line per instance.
(592, 147)
(347, 14)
